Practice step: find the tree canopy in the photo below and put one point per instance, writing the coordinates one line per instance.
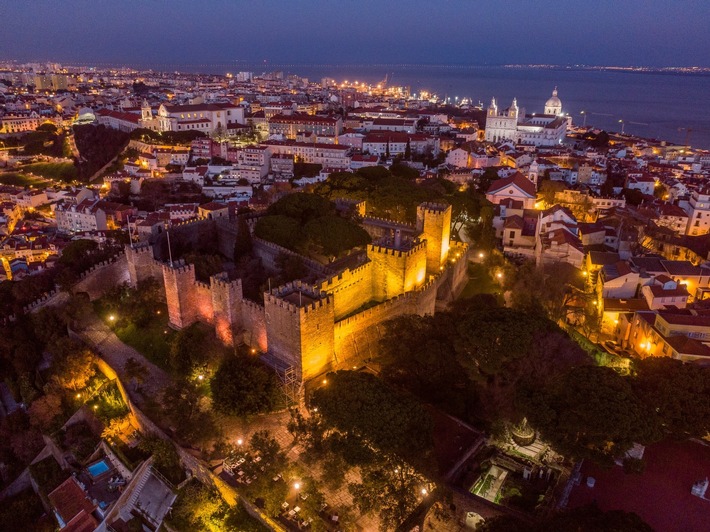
(243, 386)
(308, 223)
(362, 406)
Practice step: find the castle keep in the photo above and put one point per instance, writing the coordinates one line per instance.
(310, 328)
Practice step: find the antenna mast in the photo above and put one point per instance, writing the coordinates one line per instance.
(170, 251)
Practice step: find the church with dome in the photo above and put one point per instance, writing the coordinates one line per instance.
(513, 125)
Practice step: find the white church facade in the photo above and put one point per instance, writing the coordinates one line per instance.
(198, 117)
(512, 124)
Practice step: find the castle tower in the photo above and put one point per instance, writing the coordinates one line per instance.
(300, 329)
(434, 221)
(397, 267)
(140, 263)
(179, 289)
(227, 306)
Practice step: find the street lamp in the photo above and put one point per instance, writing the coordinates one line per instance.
(622, 126)
(499, 275)
(240, 441)
(112, 318)
(297, 485)
(584, 114)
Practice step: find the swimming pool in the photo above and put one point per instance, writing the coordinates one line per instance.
(97, 469)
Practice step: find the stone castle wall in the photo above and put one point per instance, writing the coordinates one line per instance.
(141, 264)
(434, 220)
(254, 325)
(226, 306)
(268, 251)
(396, 272)
(324, 330)
(300, 335)
(350, 289)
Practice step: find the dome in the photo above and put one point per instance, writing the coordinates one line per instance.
(553, 106)
(554, 101)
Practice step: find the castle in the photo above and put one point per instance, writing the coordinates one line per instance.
(512, 124)
(308, 329)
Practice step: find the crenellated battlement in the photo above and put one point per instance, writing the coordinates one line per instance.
(327, 283)
(297, 297)
(202, 284)
(221, 280)
(388, 222)
(139, 248)
(433, 208)
(389, 250)
(178, 267)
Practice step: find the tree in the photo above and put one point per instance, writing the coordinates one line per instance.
(290, 267)
(165, 457)
(408, 150)
(243, 241)
(192, 422)
(362, 406)
(45, 410)
(243, 386)
(302, 206)
(591, 412)
(484, 182)
(135, 372)
(73, 371)
(187, 350)
(391, 490)
(676, 392)
(333, 235)
(549, 190)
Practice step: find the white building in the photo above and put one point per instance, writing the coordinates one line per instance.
(207, 118)
(547, 129)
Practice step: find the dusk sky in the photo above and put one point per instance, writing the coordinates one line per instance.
(602, 32)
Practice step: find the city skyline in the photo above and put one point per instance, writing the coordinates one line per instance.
(140, 33)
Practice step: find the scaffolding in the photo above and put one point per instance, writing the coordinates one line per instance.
(291, 385)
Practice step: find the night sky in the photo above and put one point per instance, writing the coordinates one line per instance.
(600, 32)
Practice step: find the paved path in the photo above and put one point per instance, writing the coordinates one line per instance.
(116, 353)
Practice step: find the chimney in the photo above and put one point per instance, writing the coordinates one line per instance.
(397, 238)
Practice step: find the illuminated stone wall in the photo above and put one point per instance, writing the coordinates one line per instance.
(180, 294)
(226, 305)
(322, 331)
(300, 335)
(350, 289)
(396, 272)
(434, 221)
(141, 264)
(254, 325)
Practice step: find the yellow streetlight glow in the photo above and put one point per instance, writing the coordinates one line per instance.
(297, 486)
(325, 381)
(240, 441)
(201, 377)
(424, 491)
(499, 275)
(111, 318)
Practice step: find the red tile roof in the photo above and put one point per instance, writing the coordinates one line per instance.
(69, 500)
(518, 180)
